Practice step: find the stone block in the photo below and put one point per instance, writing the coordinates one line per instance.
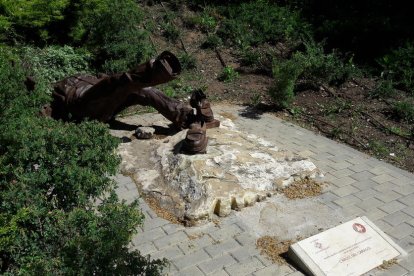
(216, 264)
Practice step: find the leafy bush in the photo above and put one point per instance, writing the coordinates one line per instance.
(312, 65)
(114, 38)
(404, 111)
(398, 66)
(54, 63)
(187, 61)
(260, 21)
(384, 89)
(282, 90)
(228, 74)
(171, 32)
(30, 19)
(212, 41)
(58, 210)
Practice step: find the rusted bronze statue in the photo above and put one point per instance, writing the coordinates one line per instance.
(101, 98)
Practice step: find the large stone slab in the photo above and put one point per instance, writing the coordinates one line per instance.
(351, 248)
(238, 170)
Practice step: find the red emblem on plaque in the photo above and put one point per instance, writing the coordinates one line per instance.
(359, 228)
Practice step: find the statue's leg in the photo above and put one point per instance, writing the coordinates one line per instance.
(177, 112)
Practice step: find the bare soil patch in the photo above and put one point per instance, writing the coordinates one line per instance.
(303, 188)
(273, 249)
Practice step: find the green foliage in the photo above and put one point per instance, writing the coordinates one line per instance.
(187, 61)
(212, 42)
(282, 90)
(54, 63)
(114, 38)
(260, 21)
(171, 32)
(404, 111)
(383, 89)
(312, 65)
(398, 67)
(228, 74)
(31, 19)
(58, 210)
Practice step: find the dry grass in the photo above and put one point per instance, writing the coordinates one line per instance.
(388, 264)
(273, 249)
(305, 187)
(161, 212)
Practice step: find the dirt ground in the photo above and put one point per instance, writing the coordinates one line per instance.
(347, 113)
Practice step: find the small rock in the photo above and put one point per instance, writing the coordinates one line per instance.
(144, 132)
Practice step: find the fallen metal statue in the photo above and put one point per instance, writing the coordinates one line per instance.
(101, 98)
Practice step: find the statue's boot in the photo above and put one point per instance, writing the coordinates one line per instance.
(196, 140)
(199, 101)
(157, 71)
(180, 114)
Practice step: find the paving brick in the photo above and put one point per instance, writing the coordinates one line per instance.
(246, 239)
(404, 189)
(360, 168)
(146, 248)
(382, 178)
(407, 244)
(247, 267)
(273, 270)
(170, 240)
(170, 253)
(345, 190)
(370, 203)
(222, 248)
(327, 197)
(365, 184)
(392, 207)
(148, 236)
(409, 210)
(384, 226)
(245, 252)
(150, 224)
(347, 200)
(375, 214)
(225, 233)
(171, 228)
(192, 245)
(344, 181)
(220, 273)
(408, 200)
(352, 211)
(388, 196)
(396, 218)
(408, 262)
(192, 259)
(191, 271)
(384, 187)
(361, 175)
(365, 194)
(216, 264)
(401, 231)
(340, 165)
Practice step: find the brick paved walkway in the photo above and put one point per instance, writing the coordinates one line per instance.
(359, 185)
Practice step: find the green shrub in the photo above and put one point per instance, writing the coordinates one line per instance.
(282, 90)
(404, 111)
(187, 61)
(110, 32)
(58, 210)
(212, 42)
(30, 19)
(228, 74)
(398, 66)
(171, 32)
(383, 89)
(54, 63)
(260, 21)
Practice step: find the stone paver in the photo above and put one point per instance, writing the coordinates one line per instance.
(359, 185)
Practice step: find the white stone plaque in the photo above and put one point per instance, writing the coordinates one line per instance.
(351, 248)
